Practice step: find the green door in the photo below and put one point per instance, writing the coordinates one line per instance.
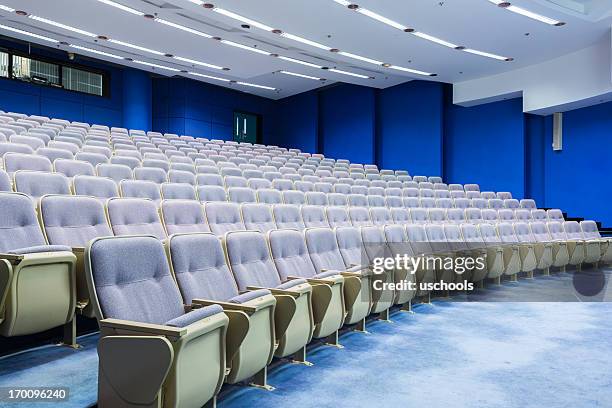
(245, 127)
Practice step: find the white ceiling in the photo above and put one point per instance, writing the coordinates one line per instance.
(476, 24)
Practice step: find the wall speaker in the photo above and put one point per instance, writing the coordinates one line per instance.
(557, 131)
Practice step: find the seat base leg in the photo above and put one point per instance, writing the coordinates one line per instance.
(333, 340)
(579, 267)
(361, 327)
(547, 271)
(260, 380)
(384, 316)
(299, 357)
(212, 403)
(514, 277)
(530, 275)
(497, 280)
(563, 269)
(407, 307)
(69, 335)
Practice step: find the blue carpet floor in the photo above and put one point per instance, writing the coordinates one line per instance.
(468, 351)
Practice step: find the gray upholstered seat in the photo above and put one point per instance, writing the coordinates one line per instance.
(223, 217)
(287, 216)
(5, 181)
(183, 216)
(359, 217)
(294, 197)
(132, 283)
(241, 195)
(140, 189)
(400, 215)
(52, 154)
(592, 251)
(36, 183)
(337, 199)
(380, 216)
(314, 216)
(99, 187)
(209, 193)
(92, 158)
(178, 191)
(419, 215)
(20, 161)
(153, 174)
(269, 196)
(511, 203)
(528, 203)
(337, 217)
(116, 172)
(71, 168)
(134, 216)
(503, 195)
(257, 217)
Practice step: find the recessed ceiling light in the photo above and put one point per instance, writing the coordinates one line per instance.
(136, 47)
(270, 88)
(245, 47)
(242, 19)
(209, 76)
(106, 54)
(183, 28)
(149, 64)
(530, 14)
(305, 41)
(195, 62)
(122, 7)
(297, 61)
(33, 35)
(295, 74)
(21, 13)
(63, 26)
(339, 71)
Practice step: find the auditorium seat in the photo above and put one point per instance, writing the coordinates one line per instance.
(92, 158)
(526, 251)
(419, 215)
(375, 201)
(134, 216)
(337, 217)
(71, 168)
(257, 217)
(441, 248)
(511, 203)
(269, 196)
(455, 215)
(287, 216)
(542, 250)
(292, 260)
(528, 204)
(37, 183)
(178, 191)
(253, 268)
(140, 189)
(511, 260)
(153, 174)
(241, 195)
(380, 216)
(560, 254)
(116, 172)
(400, 215)
(37, 287)
(590, 232)
(494, 255)
(135, 293)
(503, 195)
(375, 246)
(53, 154)
(473, 216)
(337, 199)
(223, 217)
(207, 280)
(592, 250)
(398, 245)
(183, 216)
(294, 197)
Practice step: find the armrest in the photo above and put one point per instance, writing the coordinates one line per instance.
(148, 328)
(12, 258)
(319, 281)
(224, 305)
(6, 276)
(78, 250)
(275, 291)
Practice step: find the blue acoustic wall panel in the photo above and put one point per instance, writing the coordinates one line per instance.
(137, 99)
(195, 108)
(485, 144)
(536, 130)
(578, 177)
(347, 123)
(409, 127)
(297, 121)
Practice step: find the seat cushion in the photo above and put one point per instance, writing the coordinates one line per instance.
(248, 296)
(194, 316)
(40, 248)
(291, 283)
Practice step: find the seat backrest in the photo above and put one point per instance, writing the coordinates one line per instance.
(323, 249)
(241, 195)
(555, 228)
(376, 201)
(489, 215)
(287, 216)
(259, 183)
(73, 220)
(132, 280)
(211, 194)
(316, 198)
(291, 254)
(436, 215)
(540, 231)
(223, 217)
(140, 189)
(455, 215)
(380, 216)
(452, 232)
(496, 203)
(269, 196)
(374, 243)
(350, 246)
(572, 230)
(19, 227)
(359, 216)
(481, 203)
(471, 233)
(394, 202)
(183, 216)
(462, 203)
(153, 174)
(436, 237)
(411, 202)
(489, 233)
(589, 230)
(5, 181)
(37, 183)
(257, 217)
(400, 216)
(521, 215)
(528, 204)
(282, 184)
(419, 215)
(506, 233)
(337, 217)
(417, 236)
(337, 199)
(134, 216)
(511, 203)
(555, 215)
(473, 215)
(523, 232)
(427, 202)
(314, 216)
(250, 261)
(21, 161)
(324, 187)
(341, 188)
(71, 168)
(505, 215)
(92, 158)
(178, 191)
(294, 197)
(201, 277)
(539, 215)
(116, 172)
(444, 194)
(53, 154)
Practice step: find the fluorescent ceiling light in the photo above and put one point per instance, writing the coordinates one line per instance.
(297, 61)
(149, 64)
(242, 19)
(295, 74)
(198, 2)
(136, 47)
(412, 71)
(339, 71)
(533, 15)
(195, 62)
(257, 86)
(209, 76)
(382, 19)
(16, 30)
(486, 54)
(122, 7)
(6, 8)
(343, 2)
(245, 47)
(64, 26)
(360, 58)
(434, 39)
(182, 27)
(106, 54)
(306, 41)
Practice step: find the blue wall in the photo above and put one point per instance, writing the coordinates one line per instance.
(297, 122)
(188, 107)
(137, 100)
(485, 144)
(409, 129)
(347, 122)
(578, 178)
